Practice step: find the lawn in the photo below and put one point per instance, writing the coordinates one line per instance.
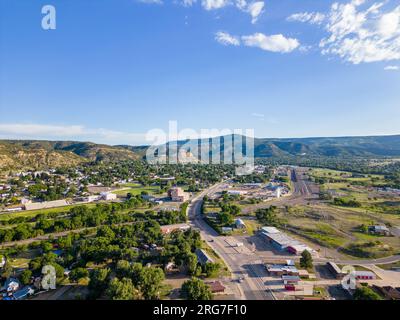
(33, 213)
(137, 190)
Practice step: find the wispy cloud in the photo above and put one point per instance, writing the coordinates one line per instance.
(255, 8)
(359, 31)
(227, 39)
(310, 17)
(214, 4)
(68, 132)
(272, 43)
(391, 68)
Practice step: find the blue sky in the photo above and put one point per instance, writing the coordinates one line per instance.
(114, 69)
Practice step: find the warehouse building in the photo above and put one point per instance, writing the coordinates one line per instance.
(283, 242)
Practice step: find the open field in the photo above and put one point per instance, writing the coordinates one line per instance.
(136, 189)
(33, 213)
(338, 228)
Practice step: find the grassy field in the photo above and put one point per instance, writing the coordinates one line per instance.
(135, 189)
(32, 213)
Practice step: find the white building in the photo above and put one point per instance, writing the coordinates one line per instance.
(108, 196)
(45, 205)
(25, 201)
(92, 198)
(240, 224)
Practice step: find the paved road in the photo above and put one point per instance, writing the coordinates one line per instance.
(240, 262)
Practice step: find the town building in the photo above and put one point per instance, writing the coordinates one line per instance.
(216, 287)
(177, 195)
(108, 196)
(25, 201)
(11, 285)
(240, 224)
(203, 257)
(283, 242)
(282, 270)
(92, 198)
(45, 205)
(365, 275)
(335, 270)
(174, 227)
(23, 293)
(291, 280)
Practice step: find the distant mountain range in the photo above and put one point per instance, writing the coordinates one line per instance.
(40, 154)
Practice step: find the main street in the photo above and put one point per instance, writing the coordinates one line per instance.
(242, 264)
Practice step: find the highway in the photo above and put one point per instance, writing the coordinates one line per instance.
(240, 262)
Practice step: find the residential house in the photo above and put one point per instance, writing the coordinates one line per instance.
(203, 257)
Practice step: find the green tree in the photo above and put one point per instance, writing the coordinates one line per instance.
(78, 274)
(25, 277)
(226, 218)
(212, 269)
(365, 293)
(150, 282)
(99, 279)
(195, 289)
(268, 216)
(122, 290)
(123, 269)
(6, 271)
(191, 262)
(306, 260)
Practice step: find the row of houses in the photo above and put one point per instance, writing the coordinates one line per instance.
(283, 242)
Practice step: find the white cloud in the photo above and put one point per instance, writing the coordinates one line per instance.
(310, 17)
(274, 43)
(255, 9)
(188, 3)
(389, 23)
(362, 35)
(227, 39)
(391, 68)
(214, 4)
